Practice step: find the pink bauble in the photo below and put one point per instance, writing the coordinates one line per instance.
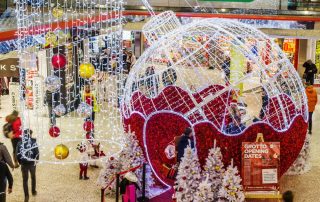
(54, 131)
(88, 126)
(58, 61)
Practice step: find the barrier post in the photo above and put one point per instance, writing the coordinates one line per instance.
(117, 187)
(102, 195)
(144, 182)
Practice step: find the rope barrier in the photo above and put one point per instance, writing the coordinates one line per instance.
(122, 173)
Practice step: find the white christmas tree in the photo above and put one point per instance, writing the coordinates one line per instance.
(231, 189)
(132, 156)
(188, 178)
(214, 169)
(107, 177)
(204, 193)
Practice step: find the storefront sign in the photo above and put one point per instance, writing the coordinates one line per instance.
(14, 90)
(37, 94)
(9, 67)
(260, 166)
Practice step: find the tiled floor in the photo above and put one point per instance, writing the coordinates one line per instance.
(61, 183)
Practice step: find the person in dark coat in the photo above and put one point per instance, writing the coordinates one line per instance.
(31, 151)
(265, 102)
(185, 140)
(235, 127)
(5, 156)
(226, 68)
(310, 71)
(5, 175)
(51, 101)
(152, 81)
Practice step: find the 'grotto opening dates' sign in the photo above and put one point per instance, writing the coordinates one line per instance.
(260, 166)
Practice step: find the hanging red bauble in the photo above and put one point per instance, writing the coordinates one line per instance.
(88, 126)
(54, 131)
(89, 136)
(58, 61)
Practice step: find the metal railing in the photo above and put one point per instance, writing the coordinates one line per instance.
(304, 4)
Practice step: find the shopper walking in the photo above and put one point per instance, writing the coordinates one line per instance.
(51, 100)
(151, 82)
(131, 60)
(89, 97)
(265, 102)
(31, 151)
(15, 122)
(5, 156)
(226, 68)
(310, 71)
(312, 102)
(5, 175)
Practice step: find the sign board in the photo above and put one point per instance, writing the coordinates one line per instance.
(37, 94)
(14, 93)
(260, 166)
(9, 67)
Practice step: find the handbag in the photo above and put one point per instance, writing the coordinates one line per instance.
(7, 129)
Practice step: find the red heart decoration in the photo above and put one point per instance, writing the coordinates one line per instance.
(136, 123)
(159, 136)
(291, 141)
(173, 102)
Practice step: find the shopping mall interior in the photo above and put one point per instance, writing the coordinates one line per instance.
(159, 100)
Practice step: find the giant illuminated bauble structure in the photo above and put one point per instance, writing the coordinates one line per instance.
(224, 79)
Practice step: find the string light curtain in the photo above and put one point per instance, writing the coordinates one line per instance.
(70, 83)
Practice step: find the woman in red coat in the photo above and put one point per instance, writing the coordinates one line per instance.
(15, 122)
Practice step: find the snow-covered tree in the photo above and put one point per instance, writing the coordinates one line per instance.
(204, 192)
(107, 177)
(132, 156)
(189, 177)
(231, 189)
(214, 170)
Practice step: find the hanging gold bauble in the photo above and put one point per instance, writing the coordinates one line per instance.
(51, 39)
(86, 70)
(57, 12)
(61, 151)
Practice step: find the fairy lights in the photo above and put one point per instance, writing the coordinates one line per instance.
(66, 27)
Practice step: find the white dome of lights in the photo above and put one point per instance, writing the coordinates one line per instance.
(214, 70)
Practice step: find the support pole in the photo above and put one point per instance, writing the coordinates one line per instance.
(144, 182)
(117, 187)
(102, 195)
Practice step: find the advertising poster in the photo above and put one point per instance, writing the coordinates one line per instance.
(260, 166)
(37, 94)
(14, 90)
